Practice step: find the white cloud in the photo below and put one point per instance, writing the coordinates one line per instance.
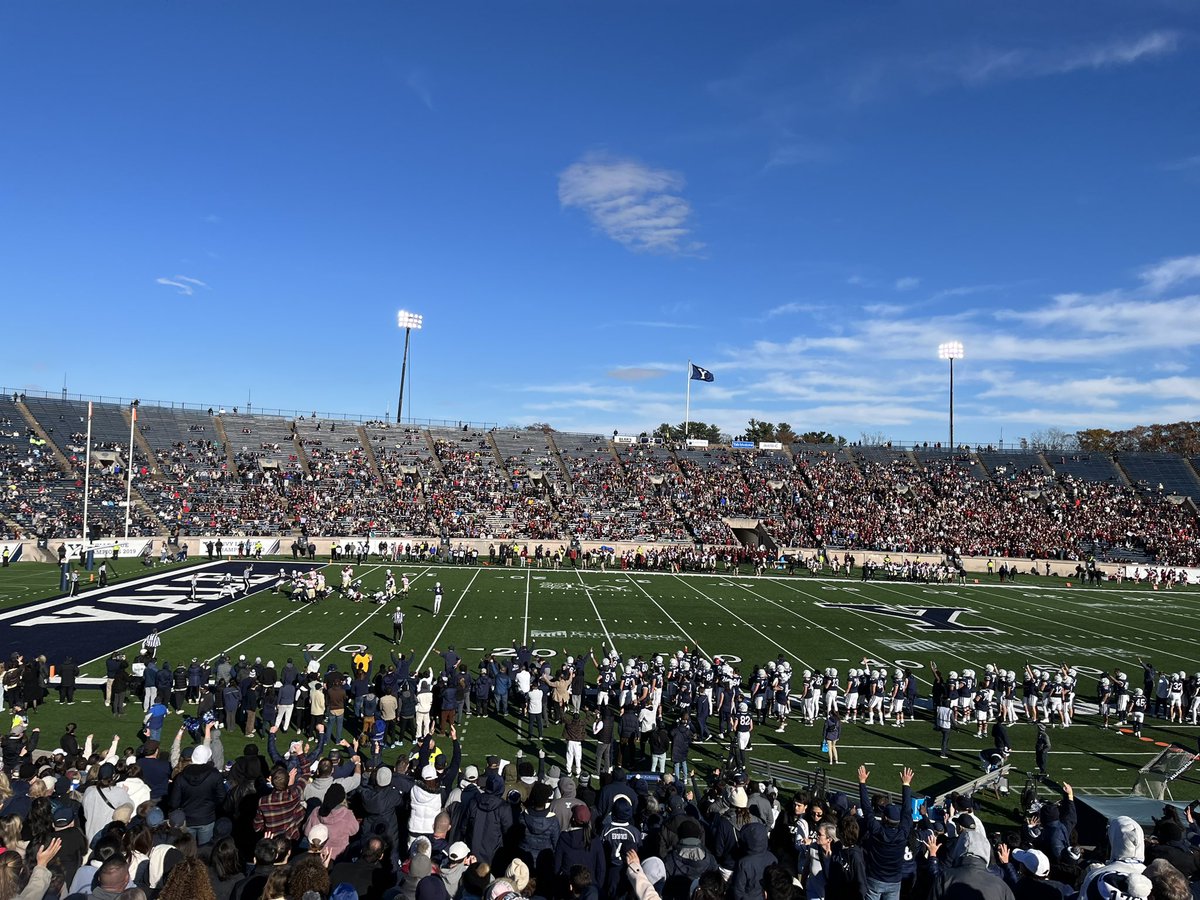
(907, 283)
(637, 206)
(184, 285)
(1171, 272)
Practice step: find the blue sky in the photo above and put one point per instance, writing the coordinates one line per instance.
(198, 201)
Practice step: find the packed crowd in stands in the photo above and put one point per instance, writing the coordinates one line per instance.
(455, 484)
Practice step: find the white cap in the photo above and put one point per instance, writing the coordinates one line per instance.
(201, 755)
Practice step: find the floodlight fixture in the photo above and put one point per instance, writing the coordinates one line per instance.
(408, 321)
(951, 350)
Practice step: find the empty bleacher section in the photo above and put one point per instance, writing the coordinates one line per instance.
(457, 484)
(60, 500)
(1093, 467)
(1161, 473)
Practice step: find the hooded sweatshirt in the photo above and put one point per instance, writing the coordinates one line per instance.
(565, 802)
(198, 790)
(747, 880)
(342, 825)
(489, 820)
(1127, 854)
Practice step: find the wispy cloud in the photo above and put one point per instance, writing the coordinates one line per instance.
(989, 65)
(1170, 273)
(907, 283)
(417, 81)
(636, 373)
(638, 206)
(793, 308)
(859, 281)
(212, 219)
(184, 285)
(1183, 165)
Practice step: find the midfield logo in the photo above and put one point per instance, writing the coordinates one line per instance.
(935, 618)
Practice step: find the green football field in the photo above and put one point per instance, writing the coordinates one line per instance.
(814, 622)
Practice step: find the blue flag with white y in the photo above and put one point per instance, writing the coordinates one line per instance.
(699, 374)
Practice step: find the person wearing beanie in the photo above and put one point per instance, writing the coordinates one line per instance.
(540, 829)
(885, 840)
(489, 819)
(340, 821)
(199, 791)
(619, 837)
(687, 861)
(578, 846)
(379, 800)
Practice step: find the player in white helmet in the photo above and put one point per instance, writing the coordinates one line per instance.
(852, 688)
(437, 598)
(1121, 689)
(876, 687)
(808, 697)
(1106, 699)
(830, 690)
(1175, 687)
(1137, 711)
(740, 743)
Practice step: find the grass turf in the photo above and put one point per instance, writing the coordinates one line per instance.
(750, 619)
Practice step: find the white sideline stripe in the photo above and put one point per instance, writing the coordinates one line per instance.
(363, 620)
(437, 637)
(525, 633)
(596, 610)
(189, 621)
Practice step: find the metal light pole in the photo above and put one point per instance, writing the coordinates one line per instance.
(951, 350)
(408, 321)
(133, 408)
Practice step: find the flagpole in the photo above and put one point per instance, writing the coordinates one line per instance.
(87, 476)
(687, 404)
(129, 470)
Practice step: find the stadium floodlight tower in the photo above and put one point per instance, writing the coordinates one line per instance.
(408, 321)
(951, 350)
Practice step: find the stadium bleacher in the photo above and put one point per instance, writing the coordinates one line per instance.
(321, 477)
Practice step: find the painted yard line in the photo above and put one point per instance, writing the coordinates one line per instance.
(1039, 603)
(363, 621)
(674, 621)
(299, 609)
(596, 610)
(525, 633)
(437, 637)
(993, 640)
(1106, 637)
(901, 748)
(180, 624)
(867, 652)
(744, 622)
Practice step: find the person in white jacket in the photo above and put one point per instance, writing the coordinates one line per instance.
(1126, 857)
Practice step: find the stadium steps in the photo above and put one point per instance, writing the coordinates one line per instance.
(491, 439)
(558, 460)
(160, 529)
(437, 460)
(1046, 467)
(144, 445)
(370, 452)
(230, 457)
(59, 456)
(301, 453)
(10, 526)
